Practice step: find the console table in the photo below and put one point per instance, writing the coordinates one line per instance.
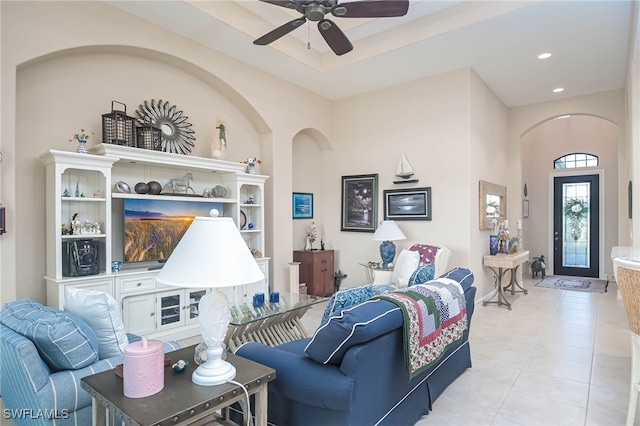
(181, 402)
(503, 263)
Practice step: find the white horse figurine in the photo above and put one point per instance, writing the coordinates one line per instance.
(176, 185)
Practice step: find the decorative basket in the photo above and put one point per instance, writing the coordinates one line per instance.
(149, 137)
(118, 127)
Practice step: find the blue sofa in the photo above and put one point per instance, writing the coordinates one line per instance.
(369, 384)
(39, 382)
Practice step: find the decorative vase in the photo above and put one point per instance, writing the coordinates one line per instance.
(218, 149)
(251, 168)
(387, 253)
(82, 147)
(493, 245)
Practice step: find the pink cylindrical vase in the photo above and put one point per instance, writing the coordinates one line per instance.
(143, 367)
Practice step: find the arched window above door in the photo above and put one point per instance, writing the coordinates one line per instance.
(577, 159)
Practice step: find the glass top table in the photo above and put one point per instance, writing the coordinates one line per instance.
(272, 323)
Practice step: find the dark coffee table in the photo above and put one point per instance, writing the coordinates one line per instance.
(181, 401)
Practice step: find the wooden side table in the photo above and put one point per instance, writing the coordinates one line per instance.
(503, 263)
(181, 402)
(316, 269)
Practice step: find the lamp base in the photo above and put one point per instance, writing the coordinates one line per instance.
(387, 253)
(213, 373)
(214, 323)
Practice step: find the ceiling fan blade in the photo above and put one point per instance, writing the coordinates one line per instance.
(335, 38)
(371, 9)
(282, 30)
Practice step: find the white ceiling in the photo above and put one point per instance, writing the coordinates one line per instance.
(500, 40)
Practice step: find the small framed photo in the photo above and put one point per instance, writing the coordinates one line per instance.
(3, 225)
(359, 203)
(302, 205)
(407, 204)
(525, 208)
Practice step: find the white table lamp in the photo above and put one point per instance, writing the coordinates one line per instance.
(387, 232)
(211, 254)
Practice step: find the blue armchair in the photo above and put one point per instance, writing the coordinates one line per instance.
(34, 392)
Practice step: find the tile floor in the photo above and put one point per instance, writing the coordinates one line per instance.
(557, 358)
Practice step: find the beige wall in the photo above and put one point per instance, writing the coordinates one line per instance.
(428, 121)
(488, 160)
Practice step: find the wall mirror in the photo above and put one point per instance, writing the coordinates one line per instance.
(492, 203)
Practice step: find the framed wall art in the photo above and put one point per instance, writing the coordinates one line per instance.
(492, 204)
(302, 205)
(359, 203)
(407, 204)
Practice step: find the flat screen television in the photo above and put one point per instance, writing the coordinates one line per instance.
(153, 228)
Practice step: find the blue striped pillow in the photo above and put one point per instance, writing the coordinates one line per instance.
(64, 341)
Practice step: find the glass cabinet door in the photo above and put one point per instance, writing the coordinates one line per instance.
(169, 305)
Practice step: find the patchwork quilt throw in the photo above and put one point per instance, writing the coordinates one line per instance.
(435, 318)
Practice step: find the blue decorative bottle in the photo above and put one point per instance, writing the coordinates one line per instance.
(493, 245)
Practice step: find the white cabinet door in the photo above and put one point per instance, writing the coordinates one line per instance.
(138, 314)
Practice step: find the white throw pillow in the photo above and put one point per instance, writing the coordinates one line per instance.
(406, 264)
(101, 312)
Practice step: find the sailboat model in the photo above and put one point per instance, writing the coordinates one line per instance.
(404, 171)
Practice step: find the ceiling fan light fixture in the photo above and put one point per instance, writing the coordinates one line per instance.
(315, 12)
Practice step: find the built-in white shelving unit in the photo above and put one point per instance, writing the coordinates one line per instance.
(85, 184)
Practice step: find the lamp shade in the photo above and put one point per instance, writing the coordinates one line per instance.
(212, 253)
(388, 231)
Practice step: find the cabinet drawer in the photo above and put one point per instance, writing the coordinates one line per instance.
(132, 284)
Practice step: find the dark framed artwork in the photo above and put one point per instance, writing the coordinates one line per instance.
(359, 203)
(302, 205)
(407, 204)
(525, 208)
(3, 225)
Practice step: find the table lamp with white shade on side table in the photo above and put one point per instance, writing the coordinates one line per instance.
(387, 232)
(212, 254)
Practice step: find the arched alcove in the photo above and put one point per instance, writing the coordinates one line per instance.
(308, 146)
(69, 90)
(550, 139)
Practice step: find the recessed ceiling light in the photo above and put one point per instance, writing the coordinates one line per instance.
(558, 90)
(544, 55)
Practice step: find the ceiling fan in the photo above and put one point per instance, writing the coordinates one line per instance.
(315, 11)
